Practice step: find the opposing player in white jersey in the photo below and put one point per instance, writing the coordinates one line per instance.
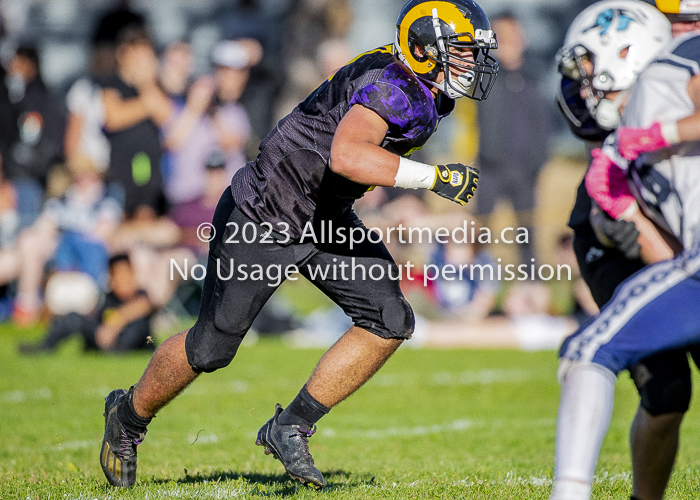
(655, 309)
(605, 48)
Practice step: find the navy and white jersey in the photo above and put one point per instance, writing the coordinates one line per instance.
(290, 182)
(656, 308)
(667, 182)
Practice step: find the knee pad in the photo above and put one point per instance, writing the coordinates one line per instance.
(397, 318)
(209, 348)
(662, 391)
(567, 365)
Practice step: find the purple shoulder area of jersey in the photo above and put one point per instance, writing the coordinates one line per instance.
(400, 98)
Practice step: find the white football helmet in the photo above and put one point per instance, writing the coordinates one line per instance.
(606, 47)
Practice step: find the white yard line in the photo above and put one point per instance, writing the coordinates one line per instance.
(19, 396)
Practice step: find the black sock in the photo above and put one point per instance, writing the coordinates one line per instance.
(134, 424)
(303, 410)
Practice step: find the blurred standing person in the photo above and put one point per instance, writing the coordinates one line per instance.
(315, 47)
(513, 131)
(174, 78)
(135, 107)
(175, 71)
(37, 139)
(84, 139)
(9, 219)
(7, 120)
(211, 120)
(251, 19)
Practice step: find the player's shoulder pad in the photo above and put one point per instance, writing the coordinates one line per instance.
(684, 52)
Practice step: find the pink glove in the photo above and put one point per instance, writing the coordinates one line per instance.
(633, 141)
(606, 183)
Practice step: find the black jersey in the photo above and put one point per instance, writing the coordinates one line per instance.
(579, 218)
(290, 182)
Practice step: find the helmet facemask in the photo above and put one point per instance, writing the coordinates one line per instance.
(468, 69)
(578, 65)
(576, 111)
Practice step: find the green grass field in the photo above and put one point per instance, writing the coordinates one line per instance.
(431, 424)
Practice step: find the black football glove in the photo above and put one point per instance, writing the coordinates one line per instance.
(455, 182)
(620, 234)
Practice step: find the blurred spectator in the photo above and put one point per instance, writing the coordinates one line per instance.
(122, 322)
(315, 48)
(251, 19)
(107, 29)
(37, 141)
(211, 120)
(72, 233)
(189, 215)
(527, 324)
(9, 224)
(7, 119)
(466, 296)
(153, 246)
(174, 78)
(85, 139)
(513, 131)
(135, 107)
(175, 71)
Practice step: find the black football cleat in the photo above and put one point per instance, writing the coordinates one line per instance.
(118, 453)
(290, 445)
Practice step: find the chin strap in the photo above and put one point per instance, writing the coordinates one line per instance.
(607, 112)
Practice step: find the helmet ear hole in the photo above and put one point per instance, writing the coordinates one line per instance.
(418, 51)
(421, 53)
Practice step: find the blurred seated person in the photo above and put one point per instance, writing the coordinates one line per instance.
(154, 247)
(189, 215)
(122, 322)
(72, 234)
(134, 110)
(463, 295)
(212, 119)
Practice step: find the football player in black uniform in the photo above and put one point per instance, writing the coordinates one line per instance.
(353, 132)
